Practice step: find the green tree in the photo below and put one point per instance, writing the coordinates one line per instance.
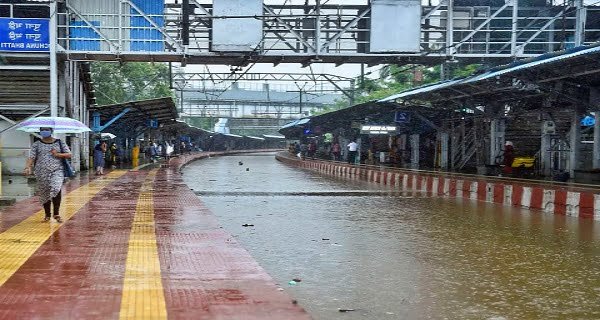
(118, 83)
(202, 123)
(394, 79)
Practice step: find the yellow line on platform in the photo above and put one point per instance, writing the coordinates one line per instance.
(20, 242)
(143, 295)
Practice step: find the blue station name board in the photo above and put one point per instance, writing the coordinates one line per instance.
(24, 35)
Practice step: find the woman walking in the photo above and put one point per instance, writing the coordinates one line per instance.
(46, 157)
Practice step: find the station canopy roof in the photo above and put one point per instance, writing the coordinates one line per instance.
(182, 128)
(342, 118)
(161, 109)
(523, 79)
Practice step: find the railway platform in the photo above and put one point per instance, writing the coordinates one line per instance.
(135, 244)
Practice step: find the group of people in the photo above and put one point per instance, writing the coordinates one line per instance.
(105, 156)
(155, 150)
(309, 149)
(47, 162)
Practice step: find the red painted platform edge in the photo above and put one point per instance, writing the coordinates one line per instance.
(550, 198)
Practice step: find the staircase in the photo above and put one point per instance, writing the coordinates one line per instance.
(463, 151)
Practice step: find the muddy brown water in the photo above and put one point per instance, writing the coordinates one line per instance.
(390, 255)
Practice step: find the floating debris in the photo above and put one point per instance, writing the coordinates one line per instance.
(247, 225)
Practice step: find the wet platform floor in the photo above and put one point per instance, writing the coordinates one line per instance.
(134, 245)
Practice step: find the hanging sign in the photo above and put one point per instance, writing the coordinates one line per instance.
(402, 117)
(24, 35)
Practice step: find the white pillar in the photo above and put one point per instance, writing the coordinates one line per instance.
(497, 139)
(575, 143)
(580, 17)
(53, 61)
(515, 20)
(545, 155)
(444, 156)
(450, 29)
(596, 152)
(414, 150)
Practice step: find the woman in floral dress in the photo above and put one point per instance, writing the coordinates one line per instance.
(46, 159)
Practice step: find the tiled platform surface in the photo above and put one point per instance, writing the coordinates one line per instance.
(134, 245)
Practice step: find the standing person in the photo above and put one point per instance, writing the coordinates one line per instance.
(509, 158)
(335, 150)
(303, 150)
(352, 150)
(297, 150)
(113, 155)
(46, 158)
(118, 154)
(153, 152)
(108, 156)
(182, 146)
(312, 149)
(99, 151)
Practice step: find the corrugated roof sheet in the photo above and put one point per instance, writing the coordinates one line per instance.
(296, 123)
(268, 136)
(544, 59)
(419, 90)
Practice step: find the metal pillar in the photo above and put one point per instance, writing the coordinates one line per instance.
(515, 21)
(317, 42)
(450, 29)
(575, 143)
(402, 148)
(444, 138)
(580, 17)
(53, 60)
(497, 139)
(414, 151)
(596, 151)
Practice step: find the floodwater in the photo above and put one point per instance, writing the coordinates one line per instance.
(401, 256)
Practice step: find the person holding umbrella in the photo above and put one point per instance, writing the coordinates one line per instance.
(45, 158)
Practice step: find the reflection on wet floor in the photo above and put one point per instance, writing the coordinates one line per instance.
(338, 193)
(405, 257)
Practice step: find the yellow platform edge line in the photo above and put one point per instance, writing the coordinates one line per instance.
(20, 242)
(143, 294)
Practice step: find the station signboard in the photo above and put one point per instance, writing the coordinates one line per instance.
(402, 117)
(24, 35)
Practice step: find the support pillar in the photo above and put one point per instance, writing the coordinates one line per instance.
(497, 139)
(596, 151)
(414, 151)
(515, 23)
(545, 154)
(580, 17)
(444, 152)
(53, 60)
(402, 149)
(575, 143)
(450, 29)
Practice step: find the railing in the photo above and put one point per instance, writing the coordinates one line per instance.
(118, 28)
